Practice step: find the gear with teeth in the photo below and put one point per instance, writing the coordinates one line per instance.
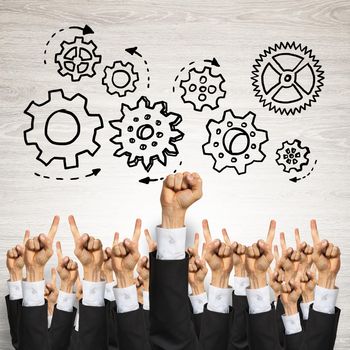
(81, 129)
(292, 156)
(77, 59)
(235, 142)
(287, 78)
(120, 78)
(147, 133)
(203, 88)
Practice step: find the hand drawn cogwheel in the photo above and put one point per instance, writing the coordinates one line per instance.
(120, 78)
(287, 78)
(59, 107)
(77, 59)
(235, 142)
(292, 156)
(146, 133)
(203, 88)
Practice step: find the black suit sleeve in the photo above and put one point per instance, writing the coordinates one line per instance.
(214, 332)
(171, 327)
(61, 329)
(92, 333)
(321, 330)
(112, 327)
(33, 333)
(14, 314)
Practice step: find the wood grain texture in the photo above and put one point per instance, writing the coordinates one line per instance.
(170, 34)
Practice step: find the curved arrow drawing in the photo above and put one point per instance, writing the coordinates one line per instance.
(133, 51)
(94, 172)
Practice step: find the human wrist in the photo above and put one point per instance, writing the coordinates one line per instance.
(240, 271)
(35, 274)
(197, 288)
(220, 280)
(257, 280)
(173, 218)
(326, 280)
(50, 308)
(16, 276)
(290, 309)
(125, 279)
(92, 274)
(66, 287)
(146, 286)
(109, 276)
(308, 297)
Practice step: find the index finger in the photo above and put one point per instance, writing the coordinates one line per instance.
(196, 243)
(59, 250)
(116, 239)
(26, 237)
(74, 228)
(137, 230)
(204, 248)
(314, 232)
(297, 237)
(271, 233)
(53, 277)
(54, 227)
(283, 242)
(225, 236)
(206, 231)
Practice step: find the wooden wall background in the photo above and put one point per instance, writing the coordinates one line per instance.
(170, 34)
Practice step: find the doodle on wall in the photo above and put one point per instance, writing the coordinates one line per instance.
(147, 133)
(287, 78)
(80, 124)
(202, 87)
(147, 180)
(294, 157)
(120, 78)
(235, 142)
(77, 59)
(134, 51)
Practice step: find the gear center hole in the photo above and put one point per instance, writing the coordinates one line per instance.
(236, 141)
(145, 132)
(62, 127)
(120, 79)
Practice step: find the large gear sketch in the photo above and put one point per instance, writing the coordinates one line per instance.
(287, 78)
(235, 142)
(77, 59)
(81, 124)
(120, 78)
(292, 156)
(203, 88)
(146, 133)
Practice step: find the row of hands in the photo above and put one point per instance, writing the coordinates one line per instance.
(295, 274)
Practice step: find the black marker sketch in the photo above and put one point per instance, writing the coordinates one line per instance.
(80, 124)
(94, 172)
(147, 133)
(86, 30)
(287, 78)
(147, 180)
(77, 59)
(235, 142)
(292, 156)
(120, 78)
(202, 87)
(133, 51)
(296, 179)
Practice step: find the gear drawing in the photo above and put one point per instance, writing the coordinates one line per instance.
(235, 142)
(287, 78)
(292, 156)
(203, 88)
(146, 133)
(77, 59)
(73, 113)
(120, 78)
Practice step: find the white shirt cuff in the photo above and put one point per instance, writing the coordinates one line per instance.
(325, 300)
(219, 299)
(65, 301)
(126, 299)
(305, 309)
(145, 300)
(109, 294)
(171, 243)
(94, 293)
(49, 321)
(33, 293)
(259, 300)
(76, 322)
(292, 324)
(198, 302)
(15, 290)
(241, 284)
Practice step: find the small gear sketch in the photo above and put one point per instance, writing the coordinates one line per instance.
(146, 133)
(287, 78)
(235, 142)
(203, 88)
(77, 59)
(120, 78)
(292, 156)
(81, 126)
